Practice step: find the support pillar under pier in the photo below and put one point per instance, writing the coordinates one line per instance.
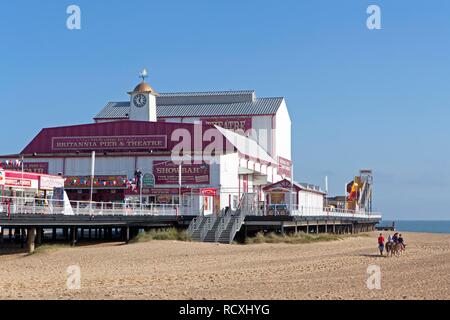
(39, 232)
(73, 236)
(31, 239)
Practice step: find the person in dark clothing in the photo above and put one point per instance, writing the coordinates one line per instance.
(395, 238)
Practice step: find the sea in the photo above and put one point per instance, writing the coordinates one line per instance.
(428, 226)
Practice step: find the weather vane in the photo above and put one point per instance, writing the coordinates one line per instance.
(143, 74)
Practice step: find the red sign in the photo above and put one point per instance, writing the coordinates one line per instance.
(233, 124)
(211, 192)
(191, 174)
(17, 179)
(18, 183)
(284, 167)
(109, 143)
(34, 167)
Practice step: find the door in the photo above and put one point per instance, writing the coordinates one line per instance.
(208, 205)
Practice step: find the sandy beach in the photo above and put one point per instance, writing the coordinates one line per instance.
(183, 270)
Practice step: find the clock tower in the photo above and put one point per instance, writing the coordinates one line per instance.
(143, 101)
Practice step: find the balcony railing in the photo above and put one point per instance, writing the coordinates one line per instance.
(16, 205)
(303, 211)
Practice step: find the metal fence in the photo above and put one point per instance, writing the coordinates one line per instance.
(23, 205)
(302, 211)
(19, 205)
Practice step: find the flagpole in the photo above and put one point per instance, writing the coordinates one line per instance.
(21, 183)
(92, 177)
(179, 185)
(345, 197)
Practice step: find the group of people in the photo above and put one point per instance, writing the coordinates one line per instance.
(395, 239)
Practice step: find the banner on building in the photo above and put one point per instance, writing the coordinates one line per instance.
(284, 167)
(109, 143)
(159, 191)
(191, 174)
(51, 182)
(32, 167)
(100, 182)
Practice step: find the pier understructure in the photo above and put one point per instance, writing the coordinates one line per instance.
(32, 223)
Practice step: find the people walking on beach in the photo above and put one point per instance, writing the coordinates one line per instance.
(389, 239)
(381, 243)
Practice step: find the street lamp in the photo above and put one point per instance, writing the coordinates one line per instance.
(292, 188)
(138, 177)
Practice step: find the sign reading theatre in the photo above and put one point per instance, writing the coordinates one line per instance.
(109, 143)
(233, 124)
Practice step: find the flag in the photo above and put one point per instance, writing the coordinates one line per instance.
(349, 186)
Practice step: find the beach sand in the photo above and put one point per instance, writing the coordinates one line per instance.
(183, 270)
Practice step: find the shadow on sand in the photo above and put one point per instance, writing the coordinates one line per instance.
(372, 255)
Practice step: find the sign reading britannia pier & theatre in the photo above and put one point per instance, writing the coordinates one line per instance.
(109, 143)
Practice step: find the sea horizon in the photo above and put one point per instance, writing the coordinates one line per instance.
(419, 225)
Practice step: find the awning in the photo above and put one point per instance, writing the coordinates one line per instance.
(245, 171)
(246, 146)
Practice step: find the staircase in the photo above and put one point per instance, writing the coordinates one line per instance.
(195, 228)
(211, 233)
(227, 235)
(222, 228)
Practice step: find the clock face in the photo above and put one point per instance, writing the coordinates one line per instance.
(139, 100)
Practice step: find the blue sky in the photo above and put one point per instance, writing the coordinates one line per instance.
(358, 98)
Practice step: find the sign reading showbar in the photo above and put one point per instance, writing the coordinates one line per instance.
(109, 143)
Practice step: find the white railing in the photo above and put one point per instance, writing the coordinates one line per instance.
(295, 210)
(24, 206)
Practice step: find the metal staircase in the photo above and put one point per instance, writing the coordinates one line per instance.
(223, 228)
(195, 228)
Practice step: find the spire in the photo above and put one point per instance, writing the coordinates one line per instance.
(144, 87)
(143, 74)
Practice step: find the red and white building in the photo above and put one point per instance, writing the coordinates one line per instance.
(28, 184)
(141, 134)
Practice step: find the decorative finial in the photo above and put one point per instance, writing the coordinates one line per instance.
(143, 75)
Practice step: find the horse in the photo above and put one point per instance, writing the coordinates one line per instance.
(389, 246)
(396, 249)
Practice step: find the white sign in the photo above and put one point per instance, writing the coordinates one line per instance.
(51, 182)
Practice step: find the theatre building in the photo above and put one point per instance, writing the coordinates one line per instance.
(251, 137)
